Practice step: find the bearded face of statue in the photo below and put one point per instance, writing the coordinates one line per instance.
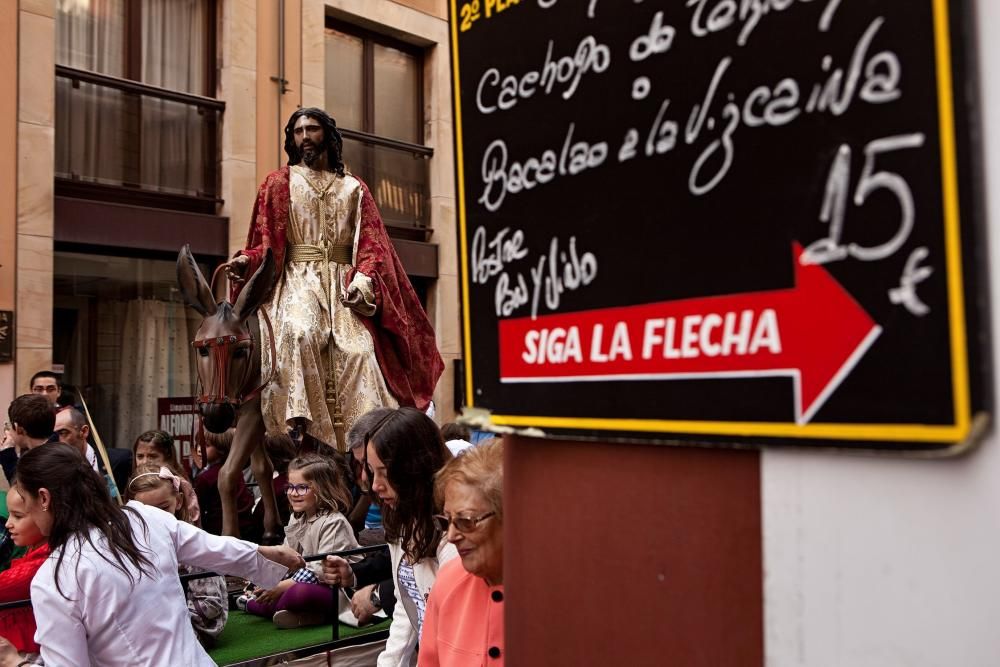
(310, 140)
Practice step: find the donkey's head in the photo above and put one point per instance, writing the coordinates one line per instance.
(228, 361)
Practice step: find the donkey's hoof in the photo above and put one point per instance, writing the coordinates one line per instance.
(272, 539)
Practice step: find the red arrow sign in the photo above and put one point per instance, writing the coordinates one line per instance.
(814, 332)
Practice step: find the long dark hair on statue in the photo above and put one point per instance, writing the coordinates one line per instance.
(79, 503)
(409, 443)
(333, 143)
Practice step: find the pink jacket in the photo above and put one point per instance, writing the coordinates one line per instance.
(463, 624)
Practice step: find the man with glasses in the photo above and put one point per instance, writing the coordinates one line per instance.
(47, 384)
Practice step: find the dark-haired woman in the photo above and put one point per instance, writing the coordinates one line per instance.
(109, 593)
(403, 453)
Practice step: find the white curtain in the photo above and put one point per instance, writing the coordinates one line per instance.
(90, 119)
(156, 361)
(173, 57)
(107, 136)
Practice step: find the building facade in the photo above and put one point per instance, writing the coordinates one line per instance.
(133, 127)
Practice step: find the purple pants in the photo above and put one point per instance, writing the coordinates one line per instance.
(300, 597)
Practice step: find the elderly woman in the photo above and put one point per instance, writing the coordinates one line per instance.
(463, 624)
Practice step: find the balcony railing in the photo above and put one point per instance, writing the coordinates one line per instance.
(121, 134)
(397, 174)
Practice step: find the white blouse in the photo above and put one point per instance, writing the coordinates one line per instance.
(102, 618)
(401, 646)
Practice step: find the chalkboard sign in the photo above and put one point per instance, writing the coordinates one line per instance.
(719, 221)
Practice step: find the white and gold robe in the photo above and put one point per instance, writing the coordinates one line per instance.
(311, 324)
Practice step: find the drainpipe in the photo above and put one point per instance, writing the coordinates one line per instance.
(280, 79)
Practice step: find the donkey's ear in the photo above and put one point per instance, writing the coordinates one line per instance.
(257, 289)
(196, 291)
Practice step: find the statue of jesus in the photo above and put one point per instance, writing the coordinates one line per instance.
(350, 333)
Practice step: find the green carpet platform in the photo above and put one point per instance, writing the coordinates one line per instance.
(247, 639)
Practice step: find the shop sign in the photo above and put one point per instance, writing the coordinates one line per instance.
(179, 417)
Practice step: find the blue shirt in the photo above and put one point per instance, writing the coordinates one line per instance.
(373, 519)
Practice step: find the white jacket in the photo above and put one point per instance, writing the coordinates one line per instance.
(325, 532)
(401, 647)
(101, 618)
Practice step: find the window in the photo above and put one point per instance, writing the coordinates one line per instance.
(134, 81)
(163, 43)
(374, 92)
(123, 334)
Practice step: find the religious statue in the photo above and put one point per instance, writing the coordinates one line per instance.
(350, 334)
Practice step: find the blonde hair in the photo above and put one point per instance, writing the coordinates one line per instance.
(147, 478)
(480, 467)
(329, 485)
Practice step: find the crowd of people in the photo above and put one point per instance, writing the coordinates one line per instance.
(90, 562)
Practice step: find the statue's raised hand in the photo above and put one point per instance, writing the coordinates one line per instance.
(236, 268)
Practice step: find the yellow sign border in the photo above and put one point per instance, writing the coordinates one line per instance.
(924, 433)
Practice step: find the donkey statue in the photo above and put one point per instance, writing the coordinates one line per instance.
(229, 371)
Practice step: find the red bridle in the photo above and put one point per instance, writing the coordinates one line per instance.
(220, 348)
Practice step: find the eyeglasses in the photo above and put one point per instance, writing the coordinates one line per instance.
(297, 489)
(463, 524)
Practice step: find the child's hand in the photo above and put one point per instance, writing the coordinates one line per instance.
(269, 596)
(337, 572)
(272, 595)
(9, 656)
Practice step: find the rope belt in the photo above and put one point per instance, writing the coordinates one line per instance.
(339, 253)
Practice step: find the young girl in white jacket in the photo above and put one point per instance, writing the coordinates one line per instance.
(109, 594)
(402, 454)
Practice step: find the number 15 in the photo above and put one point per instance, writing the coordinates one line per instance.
(830, 249)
